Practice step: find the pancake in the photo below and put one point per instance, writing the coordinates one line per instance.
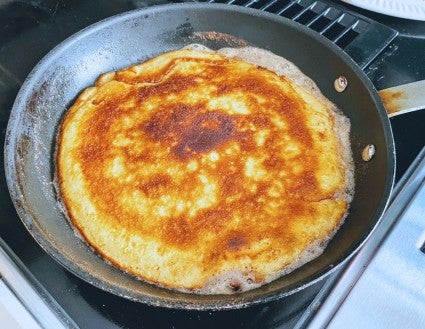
(206, 172)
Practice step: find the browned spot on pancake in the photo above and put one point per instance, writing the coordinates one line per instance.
(184, 232)
(206, 132)
(175, 84)
(235, 242)
(131, 77)
(190, 130)
(156, 185)
(178, 231)
(306, 186)
(286, 106)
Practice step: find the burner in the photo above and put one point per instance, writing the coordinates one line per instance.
(360, 37)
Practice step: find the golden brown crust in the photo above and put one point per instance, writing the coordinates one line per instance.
(193, 165)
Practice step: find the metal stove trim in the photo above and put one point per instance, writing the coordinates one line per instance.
(336, 23)
(36, 300)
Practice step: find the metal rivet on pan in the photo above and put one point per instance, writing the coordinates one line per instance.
(368, 152)
(340, 84)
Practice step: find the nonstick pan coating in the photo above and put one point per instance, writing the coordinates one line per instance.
(135, 36)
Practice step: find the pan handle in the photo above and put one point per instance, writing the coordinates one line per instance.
(403, 99)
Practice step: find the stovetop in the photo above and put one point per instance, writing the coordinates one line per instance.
(30, 29)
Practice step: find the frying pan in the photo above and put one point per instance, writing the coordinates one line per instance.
(137, 35)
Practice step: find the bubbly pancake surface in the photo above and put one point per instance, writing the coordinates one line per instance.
(201, 172)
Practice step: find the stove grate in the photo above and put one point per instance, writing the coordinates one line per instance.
(360, 37)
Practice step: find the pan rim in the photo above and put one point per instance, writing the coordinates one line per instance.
(229, 303)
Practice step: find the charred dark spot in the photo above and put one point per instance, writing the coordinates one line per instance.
(169, 123)
(189, 129)
(235, 242)
(235, 286)
(155, 184)
(206, 132)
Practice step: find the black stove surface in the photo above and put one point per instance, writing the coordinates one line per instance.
(30, 29)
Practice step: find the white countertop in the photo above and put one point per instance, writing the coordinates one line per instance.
(13, 315)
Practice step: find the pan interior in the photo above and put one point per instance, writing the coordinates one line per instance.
(135, 36)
